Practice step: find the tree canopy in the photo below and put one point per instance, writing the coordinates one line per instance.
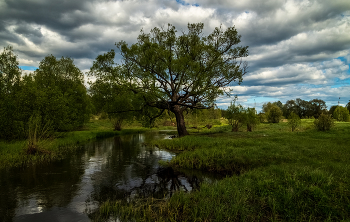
(176, 72)
(55, 93)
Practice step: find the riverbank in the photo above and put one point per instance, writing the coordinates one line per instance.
(13, 154)
(272, 175)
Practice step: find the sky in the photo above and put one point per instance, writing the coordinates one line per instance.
(297, 48)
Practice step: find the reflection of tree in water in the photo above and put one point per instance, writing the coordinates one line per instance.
(8, 200)
(132, 171)
(49, 185)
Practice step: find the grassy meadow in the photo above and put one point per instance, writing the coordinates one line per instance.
(13, 154)
(272, 174)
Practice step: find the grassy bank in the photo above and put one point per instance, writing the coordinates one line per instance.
(272, 175)
(12, 154)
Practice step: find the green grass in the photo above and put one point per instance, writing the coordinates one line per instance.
(12, 154)
(273, 174)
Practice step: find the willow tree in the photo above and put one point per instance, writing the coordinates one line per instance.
(183, 71)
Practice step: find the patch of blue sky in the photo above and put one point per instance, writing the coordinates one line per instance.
(181, 2)
(343, 59)
(29, 68)
(340, 83)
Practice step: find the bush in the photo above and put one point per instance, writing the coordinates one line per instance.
(324, 122)
(341, 114)
(294, 121)
(274, 114)
(262, 117)
(235, 116)
(252, 119)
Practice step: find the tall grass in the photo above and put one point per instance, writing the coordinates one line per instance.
(272, 175)
(39, 134)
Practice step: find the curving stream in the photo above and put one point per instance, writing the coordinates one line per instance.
(71, 189)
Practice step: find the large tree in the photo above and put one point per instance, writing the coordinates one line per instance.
(176, 72)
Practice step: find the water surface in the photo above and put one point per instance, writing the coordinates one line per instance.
(71, 189)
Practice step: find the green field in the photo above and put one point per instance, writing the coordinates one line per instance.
(272, 174)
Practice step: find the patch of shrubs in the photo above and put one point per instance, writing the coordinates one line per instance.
(324, 122)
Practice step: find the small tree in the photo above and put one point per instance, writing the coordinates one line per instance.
(262, 117)
(324, 122)
(235, 116)
(251, 119)
(274, 114)
(341, 114)
(294, 121)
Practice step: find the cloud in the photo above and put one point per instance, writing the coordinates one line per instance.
(293, 45)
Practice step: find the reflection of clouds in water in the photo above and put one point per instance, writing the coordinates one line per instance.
(129, 184)
(163, 155)
(155, 154)
(29, 206)
(113, 168)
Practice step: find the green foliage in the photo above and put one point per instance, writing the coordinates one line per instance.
(112, 101)
(294, 121)
(324, 122)
(341, 114)
(39, 134)
(177, 72)
(64, 100)
(236, 116)
(10, 75)
(305, 108)
(332, 109)
(262, 117)
(251, 119)
(274, 114)
(55, 92)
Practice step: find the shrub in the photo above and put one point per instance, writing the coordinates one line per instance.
(262, 117)
(235, 116)
(324, 122)
(274, 114)
(294, 121)
(341, 114)
(252, 119)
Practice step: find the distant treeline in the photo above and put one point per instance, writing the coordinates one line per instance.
(307, 109)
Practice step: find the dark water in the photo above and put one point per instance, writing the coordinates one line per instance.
(72, 189)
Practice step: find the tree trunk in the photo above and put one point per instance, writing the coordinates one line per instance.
(180, 122)
(249, 128)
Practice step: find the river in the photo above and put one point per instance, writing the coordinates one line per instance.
(71, 189)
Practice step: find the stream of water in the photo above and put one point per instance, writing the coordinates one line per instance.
(71, 189)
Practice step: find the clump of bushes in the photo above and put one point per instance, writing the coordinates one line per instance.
(324, 122)
(252, 119)
(294, 121)
(274, 114)
(341, 114)
(238, 116)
